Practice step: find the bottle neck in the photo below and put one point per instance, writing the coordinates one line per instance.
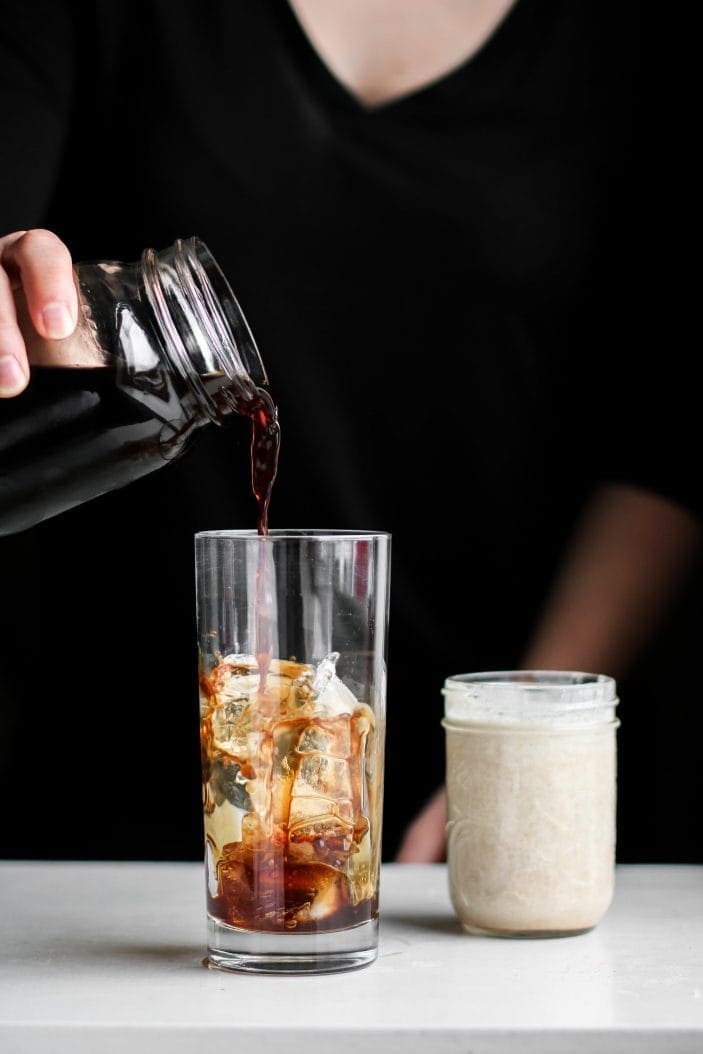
(203, 328)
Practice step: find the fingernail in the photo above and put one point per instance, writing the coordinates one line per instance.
(57, 321)
(11, 375)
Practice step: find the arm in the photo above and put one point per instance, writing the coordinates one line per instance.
(629, 557)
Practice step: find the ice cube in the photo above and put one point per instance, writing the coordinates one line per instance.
(235, 678)
(238, 678)
(331, 695)
(329, 897)
(331, 737)
(322, 776)
(284, 768)
(312, 818)
(232, 731)
(325, 672)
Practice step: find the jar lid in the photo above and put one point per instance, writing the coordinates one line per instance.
(530, 697)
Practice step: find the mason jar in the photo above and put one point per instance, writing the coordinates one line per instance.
(531, 792)
(161, 350)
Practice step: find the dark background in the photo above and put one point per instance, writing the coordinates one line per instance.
(98, 722)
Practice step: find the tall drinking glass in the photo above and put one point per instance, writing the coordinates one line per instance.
(292, 631)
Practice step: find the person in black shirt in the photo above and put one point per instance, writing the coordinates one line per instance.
(429, 216)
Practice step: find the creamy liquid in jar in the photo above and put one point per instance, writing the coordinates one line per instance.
(531, 768)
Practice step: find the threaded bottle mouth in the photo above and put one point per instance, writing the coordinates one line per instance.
(203, 327)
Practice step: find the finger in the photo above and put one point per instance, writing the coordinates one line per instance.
(424, 839)
(14, 372)
(43, 265)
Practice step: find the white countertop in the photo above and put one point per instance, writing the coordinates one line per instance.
(101, 958)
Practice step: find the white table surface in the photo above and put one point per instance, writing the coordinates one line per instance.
(100, 958)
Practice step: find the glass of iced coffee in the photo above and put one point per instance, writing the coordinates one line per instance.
(531, 767)
(292, 631)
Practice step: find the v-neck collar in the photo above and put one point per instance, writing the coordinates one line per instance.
(324, 79)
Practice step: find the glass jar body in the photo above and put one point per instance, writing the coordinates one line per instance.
(144, 370)
(531, 800)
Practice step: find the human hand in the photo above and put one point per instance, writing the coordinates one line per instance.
(424, 839)
(38, 263)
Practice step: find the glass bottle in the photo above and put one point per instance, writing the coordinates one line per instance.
(161, 350)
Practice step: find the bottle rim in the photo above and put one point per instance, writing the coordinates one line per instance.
(208, 337)
(283, 534)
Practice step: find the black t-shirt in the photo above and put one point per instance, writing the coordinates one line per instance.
(443, 291)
